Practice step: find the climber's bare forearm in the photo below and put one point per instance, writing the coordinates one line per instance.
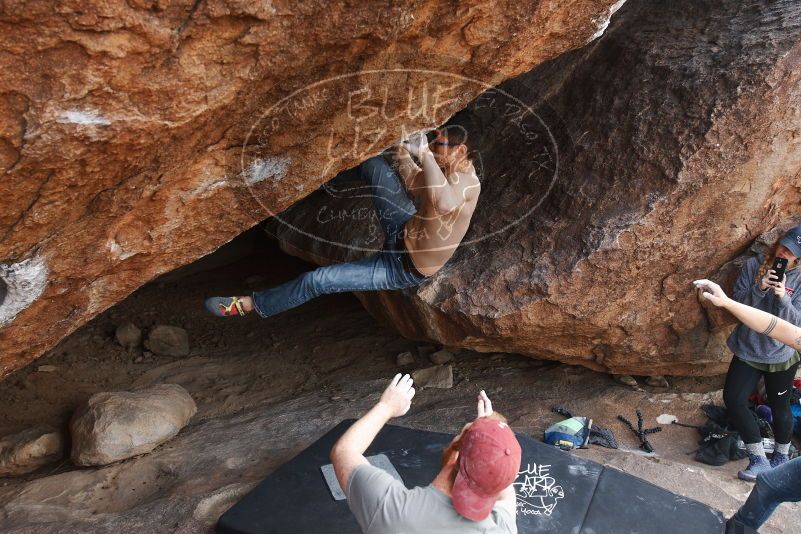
(407, 168)
(437, 189)
(765, 323)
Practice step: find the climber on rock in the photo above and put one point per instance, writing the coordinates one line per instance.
(425, 213)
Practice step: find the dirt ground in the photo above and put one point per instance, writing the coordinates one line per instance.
(265, 389)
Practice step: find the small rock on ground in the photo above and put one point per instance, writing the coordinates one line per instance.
(626, 380)
(657, 381)
(167, 340)
(666, 419)
(441, 356)
(29, 450)
(439, 376)
(405, 359)
(128, 335)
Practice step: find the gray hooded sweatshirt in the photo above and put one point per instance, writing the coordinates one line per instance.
(751, 345)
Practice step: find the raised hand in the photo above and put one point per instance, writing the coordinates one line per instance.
(712, 292)
(416, 144)
(484, 405)
(397, 398)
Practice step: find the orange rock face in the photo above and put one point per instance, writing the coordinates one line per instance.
(136, 137)
(653, 157)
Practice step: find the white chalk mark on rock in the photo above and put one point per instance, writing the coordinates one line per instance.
(274, 167)
(117, 251)
(85, 117)
(605, 22)
(24, 282)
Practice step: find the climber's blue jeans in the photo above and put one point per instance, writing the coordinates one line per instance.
(780, 484)
(380, 271)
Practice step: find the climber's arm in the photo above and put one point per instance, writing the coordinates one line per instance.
(756, 320)
(407, 169)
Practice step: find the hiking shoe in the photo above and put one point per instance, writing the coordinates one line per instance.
(756, 466)
(225, 306)
(778, 459)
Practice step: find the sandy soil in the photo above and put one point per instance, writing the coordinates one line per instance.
(267, 388)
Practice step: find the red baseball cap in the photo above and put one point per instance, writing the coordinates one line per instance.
(489, 460)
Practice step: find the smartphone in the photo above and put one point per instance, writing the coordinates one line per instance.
(779, 267)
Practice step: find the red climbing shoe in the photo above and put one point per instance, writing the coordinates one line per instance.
(225, 306)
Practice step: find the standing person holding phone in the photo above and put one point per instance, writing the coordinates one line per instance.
(757, 355)
(782, 484)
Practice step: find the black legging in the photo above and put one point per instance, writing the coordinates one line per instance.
(740, 383)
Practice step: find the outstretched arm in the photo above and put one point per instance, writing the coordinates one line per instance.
(348, 451)
(755, 319)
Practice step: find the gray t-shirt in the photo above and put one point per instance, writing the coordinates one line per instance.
(383, 505)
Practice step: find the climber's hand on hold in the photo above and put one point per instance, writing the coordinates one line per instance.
(416, 144)
(712, 292)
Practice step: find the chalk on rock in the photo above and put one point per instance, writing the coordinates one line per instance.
(128, 335)
(439, 376)
(441, 356)
(29, 450)
(113, 426)
(168, 341)
(405, 359)
(626, 380)
(657, 381)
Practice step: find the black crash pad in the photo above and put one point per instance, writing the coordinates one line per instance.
(556, 492)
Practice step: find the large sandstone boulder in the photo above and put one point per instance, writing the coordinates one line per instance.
(136, 137)
(29, 450)
(114, 426)
(649, 158)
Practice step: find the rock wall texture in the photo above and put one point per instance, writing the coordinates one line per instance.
(658, 154)
(137, 136)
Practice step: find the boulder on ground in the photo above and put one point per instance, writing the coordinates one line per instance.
(405, 359)
(128, 335)
(657, 381)
(439, 376)
(112, 426)
(441, 356)
(29, 450)
(626, 380)
(166, 340)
